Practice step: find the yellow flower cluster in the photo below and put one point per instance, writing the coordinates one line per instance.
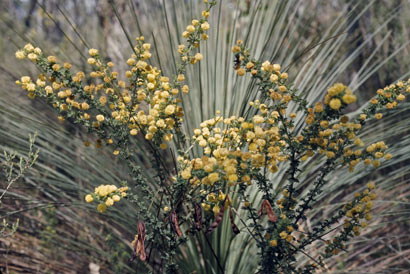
(322, 133)
(282, 235)
(389, 96)
(360, 209)
(375, 152)
(330, 137)
(197, 28)
(157, 92)
(338, 96)
(148, 104)
(233, 148)
(362, 204)
(268, 71)
(28, 84)
(214, 200)
(358, 214)
(106, 195)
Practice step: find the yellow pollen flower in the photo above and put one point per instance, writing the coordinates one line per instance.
(190, 29)
(109, 202)
(335, 104)
(101, 208)
(93, 52)
(241, 72)
(20, 54)
(170, 109)
(205, 26)
(100, 118)
(198, 56)
(89, 198)
(91, 61)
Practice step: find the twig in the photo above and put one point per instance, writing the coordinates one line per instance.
(214, 254)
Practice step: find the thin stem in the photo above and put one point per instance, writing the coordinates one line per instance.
(214, 254)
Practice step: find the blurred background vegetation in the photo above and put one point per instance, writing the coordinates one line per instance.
(365, 44)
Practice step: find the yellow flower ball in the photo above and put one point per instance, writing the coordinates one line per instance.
(146, 55)
(349, 98)
(335, 104)
(257, 119)
(31, 87)
(20, 55)
(376, 163)
(116, 198)
(93, 52)
(29, 47)
(233, 178)
(91, 61)
(401, 97)
(25, 79)
(160, 123)
(289, 238)
(52, 59)
(128, 74)
(131, 61)
(185, 89)
(368, 217)
(109, 202)
(283, 234)
(170, 109)
(236, 49)
(101, 208)
(186, 174)
(213, 177)
(202, 143)
(89, 198)
(205, 26)
(336, 89)
(241, 72)
(190, 29)
(49, 90)
(100, 118)
(150, 86)
(181, 78)
(84, 106)
(276, 67)
(198, 56)
(274, 78)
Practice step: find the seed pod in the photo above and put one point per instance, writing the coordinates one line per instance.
(218, 219)
(235, 229)
(197, 217)
(266, 207)
(174, 223)
(138, 243)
